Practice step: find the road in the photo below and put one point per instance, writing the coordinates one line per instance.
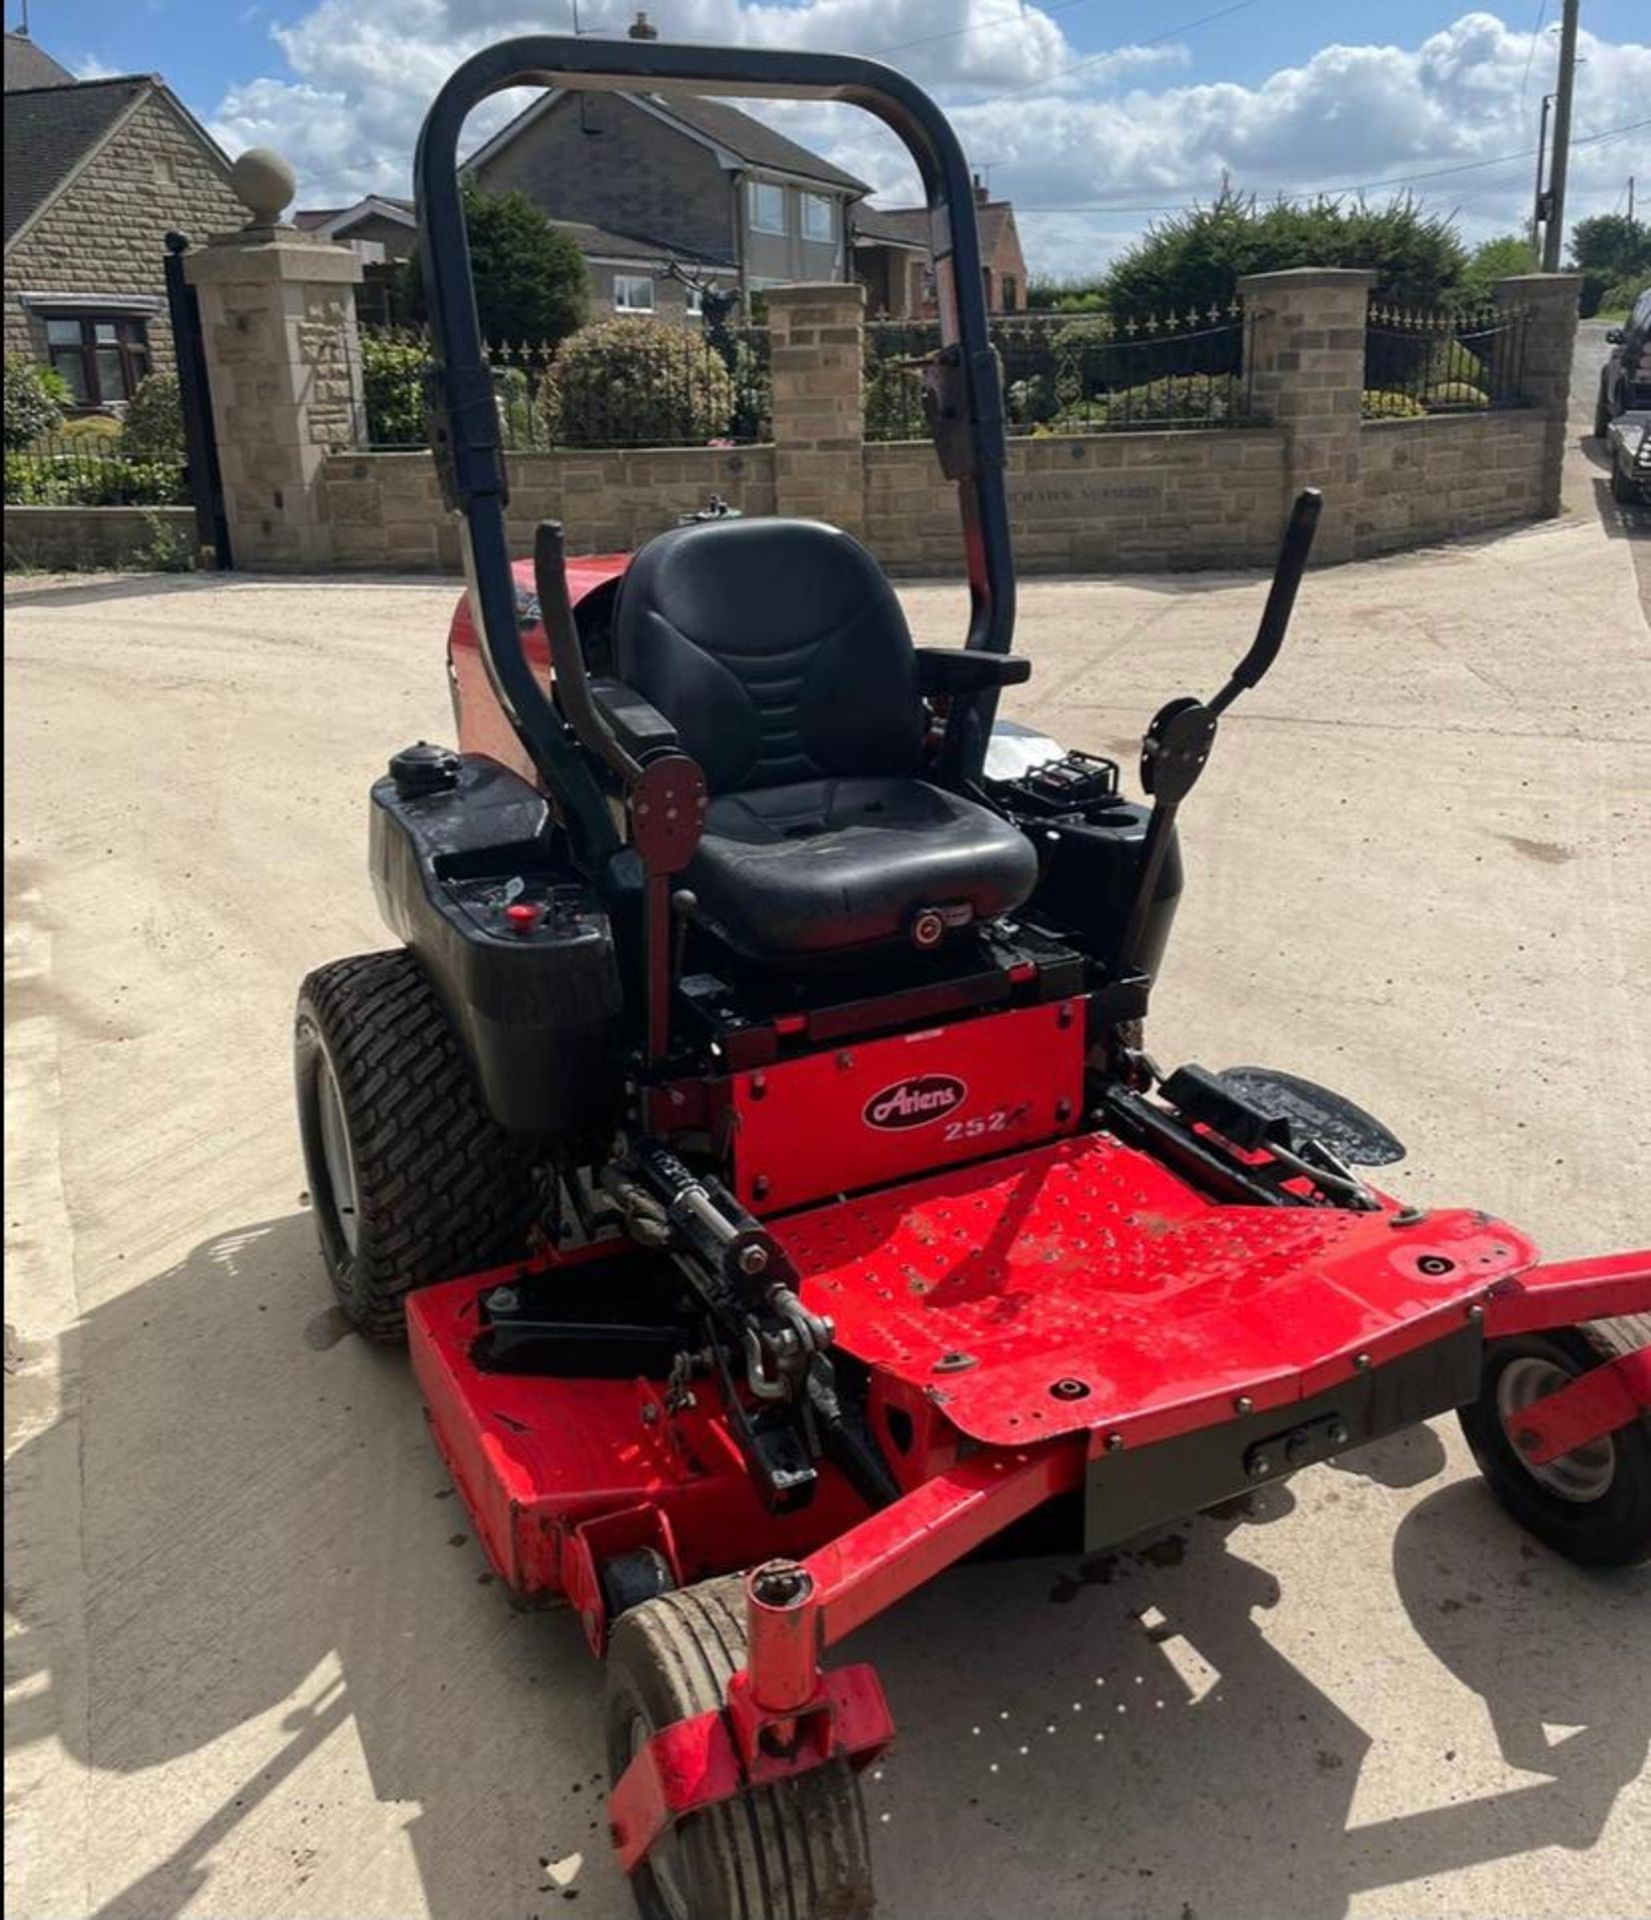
(1588, 471)
(255, 1663)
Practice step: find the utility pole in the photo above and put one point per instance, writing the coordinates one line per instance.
(1630, 199)
(1554, 234)
(1538, 207)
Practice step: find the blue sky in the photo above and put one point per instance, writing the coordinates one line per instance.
(1076, 106)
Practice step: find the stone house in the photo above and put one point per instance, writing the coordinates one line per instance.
(891, 258)
(627, 274)
(689, 179)
(97, 173)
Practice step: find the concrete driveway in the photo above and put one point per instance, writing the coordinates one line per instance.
(255, 1664)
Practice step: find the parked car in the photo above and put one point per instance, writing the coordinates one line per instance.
(1625, 379)
(1629, 441)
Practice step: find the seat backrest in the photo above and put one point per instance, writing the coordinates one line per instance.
(776, 648)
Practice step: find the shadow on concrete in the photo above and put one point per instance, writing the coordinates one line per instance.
(1631, 522)
(265, 1521)
(57, 590)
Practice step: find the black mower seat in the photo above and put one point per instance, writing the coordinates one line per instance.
(779, 653)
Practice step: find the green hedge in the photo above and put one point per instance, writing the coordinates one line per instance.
(50, 477)
(640, 383)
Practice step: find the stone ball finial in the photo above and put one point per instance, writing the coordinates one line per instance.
(264, 184)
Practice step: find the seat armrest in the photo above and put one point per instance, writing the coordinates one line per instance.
(641, 730)
(948, 671)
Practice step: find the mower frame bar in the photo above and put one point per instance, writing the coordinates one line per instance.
(1559, 1293)
(465, 427)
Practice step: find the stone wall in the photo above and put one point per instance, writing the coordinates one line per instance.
(1092, 503)
(76, 539)
(279, 325)
(1451, 474)
(384, 509)
(1096, 503)
(105, 234)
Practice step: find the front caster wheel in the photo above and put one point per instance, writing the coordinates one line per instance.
(1592, 1505)
(797, 1850)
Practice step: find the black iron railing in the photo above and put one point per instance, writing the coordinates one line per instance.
(1077, 373)
(90, 469)
(620, 383)
(1444, 361)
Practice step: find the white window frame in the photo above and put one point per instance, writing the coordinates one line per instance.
(625, 286)
(812, 201)
(755, 190)
(693, 301)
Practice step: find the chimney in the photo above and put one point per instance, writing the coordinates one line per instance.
(642, 28)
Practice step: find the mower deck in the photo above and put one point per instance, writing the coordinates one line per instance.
(1083, 1285)
(1077, 1287)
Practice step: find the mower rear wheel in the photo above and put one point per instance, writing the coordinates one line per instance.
(1592, 1505)
(797, 1850)
(411, 1179)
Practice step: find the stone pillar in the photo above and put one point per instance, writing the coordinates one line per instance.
(1305, 349)
(816, 340)
(284, 363)
(1550, 301)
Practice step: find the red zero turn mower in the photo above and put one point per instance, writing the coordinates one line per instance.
(753, 1133)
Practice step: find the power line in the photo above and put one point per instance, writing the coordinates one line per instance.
(975, 26)
(1363, 186)
(1095, 59)
(1530, 52)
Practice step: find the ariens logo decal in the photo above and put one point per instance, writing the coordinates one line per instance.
(915, 1102)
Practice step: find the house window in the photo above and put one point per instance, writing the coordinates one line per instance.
(694, 301)
(101, 359)
(767, 208)
(819, 217)
(633, 293)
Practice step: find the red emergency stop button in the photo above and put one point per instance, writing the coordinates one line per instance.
(522, 915)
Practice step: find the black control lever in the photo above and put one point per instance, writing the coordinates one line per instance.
(1281, 599)
(567, 657)
(1178, 742)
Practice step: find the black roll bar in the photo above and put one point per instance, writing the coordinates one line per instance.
(465, 427)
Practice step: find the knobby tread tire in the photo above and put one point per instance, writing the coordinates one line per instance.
(1612, 1531)
(441, 1188)
(798, 1850)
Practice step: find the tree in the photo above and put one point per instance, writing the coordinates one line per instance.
(530, 278)
(153, 427)
(1196, 259)
(1612, 251)
(1612, 243)
(34, 401)
(1494, 260)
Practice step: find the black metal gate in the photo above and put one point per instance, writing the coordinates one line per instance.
(206, 485)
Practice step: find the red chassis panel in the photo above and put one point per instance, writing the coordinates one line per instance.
(882, 1110)
(537, 1458)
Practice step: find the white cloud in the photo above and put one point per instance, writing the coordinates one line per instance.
(1127, 132)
